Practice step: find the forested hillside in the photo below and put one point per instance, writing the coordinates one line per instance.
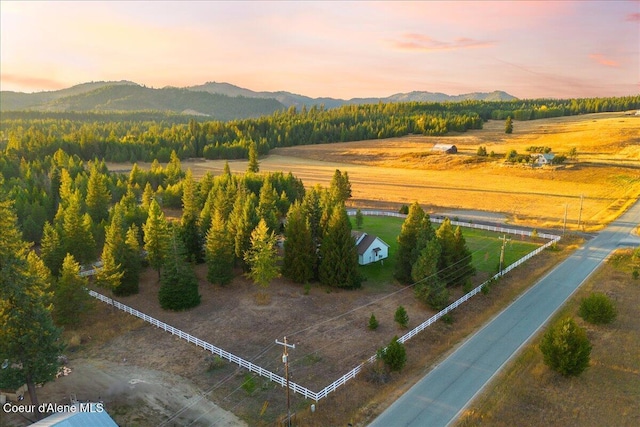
(132, 97)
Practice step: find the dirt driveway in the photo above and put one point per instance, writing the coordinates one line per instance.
(135, 396)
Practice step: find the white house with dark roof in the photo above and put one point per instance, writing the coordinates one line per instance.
(370, 248)
(543, 159)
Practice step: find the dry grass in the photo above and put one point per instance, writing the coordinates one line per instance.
(391, 172)
(527, 393)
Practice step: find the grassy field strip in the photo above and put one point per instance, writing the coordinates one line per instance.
(351, 374)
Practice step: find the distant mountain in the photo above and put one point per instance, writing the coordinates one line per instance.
(219, 101)
(12, 101)
(290, 99)
(129, 96)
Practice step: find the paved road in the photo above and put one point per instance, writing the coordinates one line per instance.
(440, 397)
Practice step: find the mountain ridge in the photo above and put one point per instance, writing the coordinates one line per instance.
(220, 101)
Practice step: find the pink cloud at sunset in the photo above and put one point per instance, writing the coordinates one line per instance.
(427, 44)
(336, 49)
(633, 17)
(601, 59)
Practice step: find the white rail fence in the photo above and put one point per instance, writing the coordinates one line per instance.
(205, 345)
(308, 394)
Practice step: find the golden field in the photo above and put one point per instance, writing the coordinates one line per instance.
(395, 171)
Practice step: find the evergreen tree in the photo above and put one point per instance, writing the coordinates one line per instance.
(51, 249)
(29, 340)
(340, 187)
(338, 253)
(254, 165)
(407, 243)
(156, 236)
(147, 196)
(189, 229)
(312, 211)
(219, 251)
(429, 288)
(133, 213)
(455, 264)
(178, 283)
(373, 322)
(267, 206)
(247, 220)
(98, 196)
(77, 238)
(401, 317)
(173, 171)
(131, 264)
(71, 299)
(262, 256)
(109, 276)
(463, 257)
(508, 125)
(359, 219)
(299, 250)
(566, 348)
(394, 355)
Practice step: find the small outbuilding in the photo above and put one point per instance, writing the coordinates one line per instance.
(445, 148)
(370, 248)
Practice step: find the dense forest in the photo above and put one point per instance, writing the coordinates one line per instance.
(137, 136)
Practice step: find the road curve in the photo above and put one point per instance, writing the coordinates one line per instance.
(440, 397)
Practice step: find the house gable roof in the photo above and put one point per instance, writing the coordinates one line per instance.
(365, 242)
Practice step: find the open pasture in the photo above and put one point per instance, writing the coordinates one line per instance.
(391, 172)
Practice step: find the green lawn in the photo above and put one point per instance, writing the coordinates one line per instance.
(484, 245)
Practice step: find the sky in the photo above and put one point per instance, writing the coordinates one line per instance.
(530, 49)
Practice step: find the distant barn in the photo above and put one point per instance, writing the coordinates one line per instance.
(445, 148)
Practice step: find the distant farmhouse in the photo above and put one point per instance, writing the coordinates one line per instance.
(542, 159)
(445, 148)
(370, 248)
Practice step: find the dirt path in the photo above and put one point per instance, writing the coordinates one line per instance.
(137, 396)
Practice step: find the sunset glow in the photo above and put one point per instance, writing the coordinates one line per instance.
(533, 49)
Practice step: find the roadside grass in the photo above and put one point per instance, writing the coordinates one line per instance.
(486, 247)
(528, 393)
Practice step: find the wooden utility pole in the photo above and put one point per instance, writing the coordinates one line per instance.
(504, 244)
(580, 213)
(285, 360)
(564, 226)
